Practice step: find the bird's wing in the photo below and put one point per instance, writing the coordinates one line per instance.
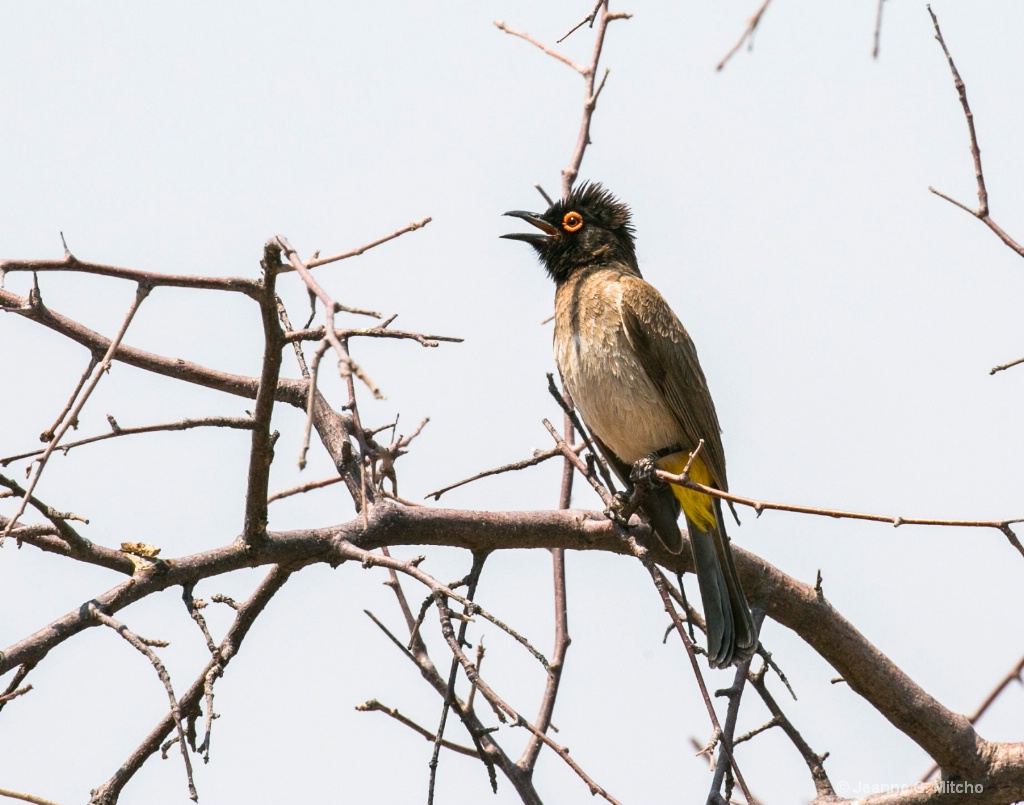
(669, 358)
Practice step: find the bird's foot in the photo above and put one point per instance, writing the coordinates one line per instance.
(643, 472)
(618, 508)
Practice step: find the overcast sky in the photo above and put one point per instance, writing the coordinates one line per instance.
(846, 319)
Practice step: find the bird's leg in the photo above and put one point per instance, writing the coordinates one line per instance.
(643, 479)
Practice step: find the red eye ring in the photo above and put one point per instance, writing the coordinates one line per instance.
(573, 222)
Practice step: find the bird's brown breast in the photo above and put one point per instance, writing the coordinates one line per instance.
(601, 371)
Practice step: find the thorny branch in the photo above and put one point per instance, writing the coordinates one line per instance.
(144, 646)
(760, 506)
(982, 212)
(592, 89)
(116, 431)
(946, 736)
(108, 793)
(82, 393)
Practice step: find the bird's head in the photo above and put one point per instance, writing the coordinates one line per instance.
(590, 227)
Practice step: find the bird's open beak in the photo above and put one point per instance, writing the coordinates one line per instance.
(533, 238)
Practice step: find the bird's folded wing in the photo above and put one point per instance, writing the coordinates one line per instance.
(669, 358)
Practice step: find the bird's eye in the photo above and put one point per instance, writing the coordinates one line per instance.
(573, 222)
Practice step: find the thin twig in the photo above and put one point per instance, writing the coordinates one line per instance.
(589, 73)
(5, 792)
(982, 212)
(814, 761)
(365, 247)
(47, 435)
(747, 35)
(143, 646)
(472, 580)
(368, 559)
(282, 312)
(1006, 366)
(381, 331)
(1015, 674)
(587, 20)
(590, 95)
(108, 792)
(501, 26)
(306, 487)
(346, 366)
(243, 423)
(760, 506)
(14, 694)
(72, 417)
(661, 585)
(734, 694)
(565, 403)
(373, 706)
(539, 458)
(528, 760)
(547, 198)
(14, 688)
(878, 30)
(500, 704)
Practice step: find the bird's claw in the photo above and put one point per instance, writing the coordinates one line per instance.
(642, 472)
(614, 512)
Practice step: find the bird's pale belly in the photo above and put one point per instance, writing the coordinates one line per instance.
(616, 398)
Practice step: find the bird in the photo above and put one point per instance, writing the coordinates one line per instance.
(632, 371)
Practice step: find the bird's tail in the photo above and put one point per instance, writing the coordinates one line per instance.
(731, 634)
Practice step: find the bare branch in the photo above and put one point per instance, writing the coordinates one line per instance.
(366, 247)
(1015, 674)
(14, 694)
(590, 95)
(496, 701)
(528, 760)
(1006, 366)
(72, 417)
(242, 423)
(47, 435)
(143, 646)
(301, 488)
(878, 30)
(501, 26)
(982, 212)
(472, 580)
(381, 331)
(814, 761)
(746, 36)
(71, 264)
(4, 792)
(539, 458)
(734, 693)
(107, 794)
(760, 506)
(261, 452)
(374, 706)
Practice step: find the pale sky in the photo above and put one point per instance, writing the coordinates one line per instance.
(846, 319)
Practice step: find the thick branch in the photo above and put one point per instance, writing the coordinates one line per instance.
(948, 737)
(333, 428)
(71, 264)
(261, 453)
